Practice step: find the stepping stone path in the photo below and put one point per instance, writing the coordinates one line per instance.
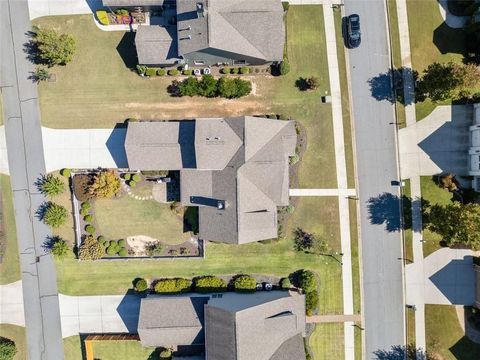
(128, 190)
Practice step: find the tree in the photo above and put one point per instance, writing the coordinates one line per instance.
(307, 281)
(233, 88)
(54, 48)
(106, 184)
(409, 352)
(40, 74)
(313, 83)
(448, 182)
(60, 248)
(90, 249)
(53, 214)
(244, 87)
(188, 87)
(51, 185)
(456, 223)
(439, 81)
(309, 242)
(8, 349)
(207, 86)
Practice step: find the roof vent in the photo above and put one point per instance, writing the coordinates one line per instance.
(188, 37)
(221, 205)
(200, 10)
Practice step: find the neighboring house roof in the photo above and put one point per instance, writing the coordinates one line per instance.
(155, 45)
(221, 25)
(236, 331)
(171, 320)
(241, 162)
(260, 326)
(477, 283)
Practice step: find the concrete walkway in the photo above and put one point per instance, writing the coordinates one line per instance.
(323, 192)
(39, 8)
(3, 152)
(453, 21)
(11, 304)
(341, 168)
(334, 318)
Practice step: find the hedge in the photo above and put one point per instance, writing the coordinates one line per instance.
(161, 72)
(307, 281)
(187, 72)
(311, 302)
(151, 72)
(206, 284)
(244, 70)
(141, 285)
(245, 283)
(234, 71)
(173, 72)
(225, 70)
(88, 218)
(102, 17)
(172, 286)
(90, 229)
(136, 177)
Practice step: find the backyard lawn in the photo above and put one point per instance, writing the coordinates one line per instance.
(122, 217)
(9, 265)
(434, 195)
(17, 334)
(431, 40)
(445, 336)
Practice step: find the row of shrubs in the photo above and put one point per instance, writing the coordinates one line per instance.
(148, 71)
(113, 247)
(242, 70)
(208, 86)
(132, 179)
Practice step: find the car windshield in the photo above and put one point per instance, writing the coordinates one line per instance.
(355, 24)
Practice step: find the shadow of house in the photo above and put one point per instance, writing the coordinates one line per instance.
(186, 139)
(126, 50)
(456, 281)
(129, 310)
(448, 145)
(465, 349)
(116, 146)
(448, 40)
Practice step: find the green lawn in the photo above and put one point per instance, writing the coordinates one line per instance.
(407, 211)
(326, 341)
(434, 195)
(122, 350)
(72, 347)
(16, 334)
(410, 326)
(444, 335)
(126, 216)
(431, 40)
(10, 266)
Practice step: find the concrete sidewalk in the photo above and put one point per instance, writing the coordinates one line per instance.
(323, 192)
(341, 168)
(39, 8)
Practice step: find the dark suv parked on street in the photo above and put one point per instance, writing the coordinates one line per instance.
(353, 31)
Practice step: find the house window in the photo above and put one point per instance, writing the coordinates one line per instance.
(199, 62)
(239, 62)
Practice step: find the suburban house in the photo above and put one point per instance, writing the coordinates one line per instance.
(208, 32)
(474, 148)
(227, 326)
(235, 170)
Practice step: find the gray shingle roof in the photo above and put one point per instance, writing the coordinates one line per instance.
(130, 3)
(165, 321)
(223, 27)
(156, 45)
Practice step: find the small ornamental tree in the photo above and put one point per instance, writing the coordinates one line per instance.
(106, 184)
(90, 249)
(40, 74)
(141, 285)
(307, 281)
(245, 283)
(207, 284)
(8, 349)
(231, 88)
(207, 86)
(51, 185)
(53, 48)
(60, 248)
(312, 83)
(54, 215)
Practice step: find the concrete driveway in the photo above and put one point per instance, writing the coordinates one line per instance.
(11, 304)
(39, 8)
(99, 314)
(448, 278)
(439, 143)
(84, 148)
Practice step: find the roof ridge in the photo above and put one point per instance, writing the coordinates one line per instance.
(269, 140)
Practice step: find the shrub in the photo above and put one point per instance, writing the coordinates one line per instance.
(173, 252)
(51, 185)
(207, 86)
(161, 72)
(151, 72)
(257, 70)
(173, 72)
(449, 182)
(106, 184)
(234, 70)
(53, 48)
(161, 173)
(292, 160)
(188, 87)
(122, 243)
(122, 252)
(284, 67)
(311, 302)
(307, 281)
(81, 186)
(88, 218)
(206, 284)
(86, 205)
(101, 239)
(244, 70)
(90, 249)
(84, 212)
(245, 283)
(172, 286)
(225, 70)
(54, 215)
(312, 83)
(127, 176)
(111, 250)
(187, 72)
(136, 177)
(285, 5)
(90, 229)
(8, 349)
(166, 354)
(141, 285)
(184, 251)
(285, 283)
(132, 183)
(65, 172)
(153, 248)
(290, 209)
(141, 69)
(122, 12)
(59, 249)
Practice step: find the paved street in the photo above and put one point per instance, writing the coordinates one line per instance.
(383, 288)
(26, 162)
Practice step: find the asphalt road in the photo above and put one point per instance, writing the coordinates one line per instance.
(26, 162)
(377, 166)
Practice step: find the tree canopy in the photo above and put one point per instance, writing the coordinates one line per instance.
(54, 48)
(106, 184)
